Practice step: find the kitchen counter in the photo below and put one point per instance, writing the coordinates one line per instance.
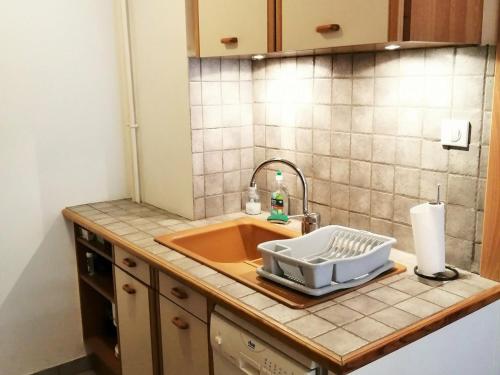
(344, 333)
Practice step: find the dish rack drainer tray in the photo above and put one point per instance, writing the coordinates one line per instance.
(325, 258)
(333, 287)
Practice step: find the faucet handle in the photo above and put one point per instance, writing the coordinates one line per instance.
(310, 222)
(297, 216)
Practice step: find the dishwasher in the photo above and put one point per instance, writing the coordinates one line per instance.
(251, 351)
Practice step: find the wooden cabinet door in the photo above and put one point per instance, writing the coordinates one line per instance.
(132, 265)
(184, 341)
(184, 296)
(132, 302)
(444, 21)
(312, 24)
(245, 21)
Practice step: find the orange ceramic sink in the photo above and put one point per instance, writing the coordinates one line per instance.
(231, 248)
(227, 245)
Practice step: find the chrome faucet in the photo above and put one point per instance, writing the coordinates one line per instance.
(310, 220)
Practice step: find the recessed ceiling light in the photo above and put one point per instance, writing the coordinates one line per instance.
(258, 57)
(392, 47)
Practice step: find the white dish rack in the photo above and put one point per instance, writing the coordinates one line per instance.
(331, 258)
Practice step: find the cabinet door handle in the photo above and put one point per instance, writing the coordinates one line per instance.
(179, 293)
(129, 262)
(322, 29)
(229, 40)
(180, 323)
(127, 288)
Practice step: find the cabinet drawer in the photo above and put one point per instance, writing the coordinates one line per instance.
(310, 24)
(132, 301)
(184, 341)
(245, 20)
(133, 265)
(184, 296)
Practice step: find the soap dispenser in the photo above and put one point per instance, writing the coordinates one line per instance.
(253, 206)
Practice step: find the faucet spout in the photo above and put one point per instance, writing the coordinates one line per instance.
(310, 221)
(297, 170)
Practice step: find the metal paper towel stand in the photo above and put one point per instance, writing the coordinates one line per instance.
(440, 276)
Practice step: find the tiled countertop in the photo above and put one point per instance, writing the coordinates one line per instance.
(340, 326)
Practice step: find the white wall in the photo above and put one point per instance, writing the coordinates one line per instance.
(470, 345)
(61, 143)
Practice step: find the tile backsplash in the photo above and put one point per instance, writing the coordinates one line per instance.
(364, 128)
(222, 133)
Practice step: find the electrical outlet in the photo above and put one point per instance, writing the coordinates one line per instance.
(455, 133)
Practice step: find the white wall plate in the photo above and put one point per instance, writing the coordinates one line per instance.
(455, 133)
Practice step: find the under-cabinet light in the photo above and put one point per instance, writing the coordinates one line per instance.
(392, 47)
(258, 57)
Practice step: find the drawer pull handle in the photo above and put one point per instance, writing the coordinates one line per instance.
(129, 262)
(180, 323)
(322, 29)
(176, 292)
(229, 40)
(127, 288)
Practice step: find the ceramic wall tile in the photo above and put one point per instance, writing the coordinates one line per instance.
(364, 127)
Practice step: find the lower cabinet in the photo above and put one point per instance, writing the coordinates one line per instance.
(184, 341)
(132, 319)
(132, 301)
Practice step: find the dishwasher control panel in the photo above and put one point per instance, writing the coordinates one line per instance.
(274, 368)
(234, 347)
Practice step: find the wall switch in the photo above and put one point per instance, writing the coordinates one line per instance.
(455, 133)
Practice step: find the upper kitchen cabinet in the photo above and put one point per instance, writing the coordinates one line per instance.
(228, 27)
(371, 24)
(160, 99)
(442, 21)
(319, 24)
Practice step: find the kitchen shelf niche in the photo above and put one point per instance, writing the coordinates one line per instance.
(97, 301)
(99, 332)
(96, 244)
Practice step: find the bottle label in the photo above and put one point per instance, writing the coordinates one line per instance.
(277, 204)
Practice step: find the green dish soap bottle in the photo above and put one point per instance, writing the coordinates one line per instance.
(279, 202)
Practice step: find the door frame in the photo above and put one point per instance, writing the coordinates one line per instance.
(490, 253)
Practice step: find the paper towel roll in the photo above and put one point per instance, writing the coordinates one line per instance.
(427, 221)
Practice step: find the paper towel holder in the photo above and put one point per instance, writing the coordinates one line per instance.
(438, 198)
(440, 276)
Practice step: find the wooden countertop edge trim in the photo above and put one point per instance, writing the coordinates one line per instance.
(340, 364)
